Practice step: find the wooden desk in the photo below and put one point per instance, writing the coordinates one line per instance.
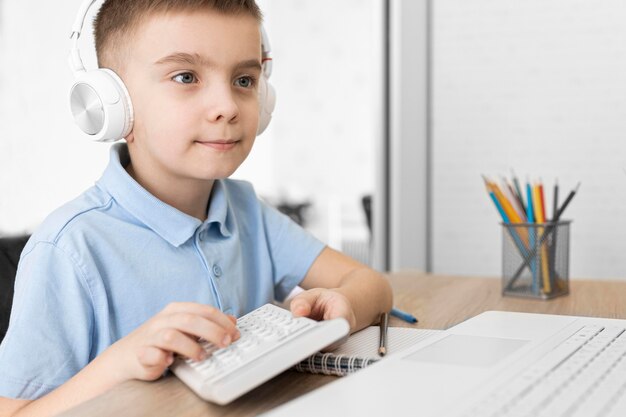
(438, 301)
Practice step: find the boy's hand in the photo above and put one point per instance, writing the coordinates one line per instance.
(323, 304)
(147, 351)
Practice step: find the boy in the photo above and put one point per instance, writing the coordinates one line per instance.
(164, 250)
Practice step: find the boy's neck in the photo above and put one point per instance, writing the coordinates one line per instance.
(189, 196)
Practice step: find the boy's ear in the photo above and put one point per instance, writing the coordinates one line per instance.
(130, 138)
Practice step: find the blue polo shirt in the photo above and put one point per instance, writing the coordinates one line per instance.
(103, 264)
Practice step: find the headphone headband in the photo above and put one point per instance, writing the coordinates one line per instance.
(76, 63)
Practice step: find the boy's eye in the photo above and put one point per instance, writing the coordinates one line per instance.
(185, 78)
(245, 82)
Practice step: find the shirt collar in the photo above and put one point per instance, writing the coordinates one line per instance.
(170, 223)
(218, 208)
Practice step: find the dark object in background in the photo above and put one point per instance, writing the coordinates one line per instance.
(10, 250)
(366, 202)
(296, 211)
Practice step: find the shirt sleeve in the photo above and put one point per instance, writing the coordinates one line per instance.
(293, 250)
(49, 335)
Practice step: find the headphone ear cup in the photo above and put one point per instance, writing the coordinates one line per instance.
(267, 102)
(101, 105)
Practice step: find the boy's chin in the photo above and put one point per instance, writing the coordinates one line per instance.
(216, 175)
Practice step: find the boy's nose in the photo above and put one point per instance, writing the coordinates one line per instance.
(221, 105)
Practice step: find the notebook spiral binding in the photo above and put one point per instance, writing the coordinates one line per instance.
(331, 364)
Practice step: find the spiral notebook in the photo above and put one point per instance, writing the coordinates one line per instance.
(361, 350)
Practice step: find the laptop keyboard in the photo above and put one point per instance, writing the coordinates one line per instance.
(583, 376)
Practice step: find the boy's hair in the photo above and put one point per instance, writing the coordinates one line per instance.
(118, 20)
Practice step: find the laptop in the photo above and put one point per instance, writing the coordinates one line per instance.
(494, 364)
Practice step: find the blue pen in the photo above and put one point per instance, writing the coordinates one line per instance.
(403, 316)
(529, 206)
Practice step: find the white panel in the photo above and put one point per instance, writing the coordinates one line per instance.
(379, 243)
(408, 135)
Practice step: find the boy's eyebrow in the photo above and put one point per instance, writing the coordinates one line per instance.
(197, 59)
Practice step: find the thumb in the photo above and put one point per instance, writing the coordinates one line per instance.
(302, 304)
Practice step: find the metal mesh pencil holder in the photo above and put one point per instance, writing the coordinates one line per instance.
(535, 259)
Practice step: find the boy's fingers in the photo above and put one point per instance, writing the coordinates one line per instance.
(300, 308)
(202, 327)
(335, 310)
(237, 334)
(150, 356)
(207, 311)
(175, 341)
(302, 304)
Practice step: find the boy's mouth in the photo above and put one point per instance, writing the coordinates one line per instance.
(219, 144)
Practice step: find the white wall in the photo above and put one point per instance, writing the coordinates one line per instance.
(44, 161)
(538, 86)
(324, 132)
(320, 144)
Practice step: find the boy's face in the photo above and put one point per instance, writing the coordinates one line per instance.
(193, 80)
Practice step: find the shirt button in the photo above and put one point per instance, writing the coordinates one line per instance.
(201, 236)
(217, 271)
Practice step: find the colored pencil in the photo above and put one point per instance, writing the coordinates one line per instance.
(539, 213)
(520, 196)
(505, 218)
(531, 235)
(514, 199)
(543, 202)
(555, 201)
(567, 201)
(506, 205)
(549, 230)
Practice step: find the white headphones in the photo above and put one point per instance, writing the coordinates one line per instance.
(100, 101)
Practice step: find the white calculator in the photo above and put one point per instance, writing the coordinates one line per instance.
(271, 341)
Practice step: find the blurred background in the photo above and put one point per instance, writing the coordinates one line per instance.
(404, 101)
(315, 161)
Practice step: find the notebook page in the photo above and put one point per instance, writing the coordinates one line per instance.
(365, 342)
